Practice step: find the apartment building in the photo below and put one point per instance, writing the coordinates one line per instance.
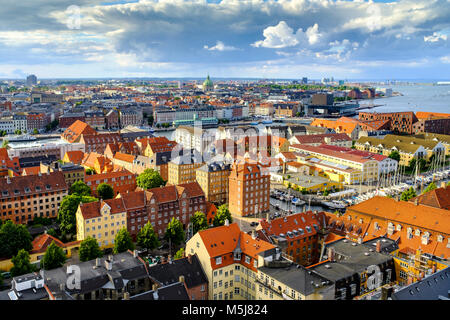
(98, 142)
(408, 147)
(213, 179)
(229, 258)
(298, 236)
(188, 270)
(67, 119)
(367, 166)
(399, 121)
(113, 277)
(24, 198)
(411, 224)
(194, 138)
(280, 279)
(249, 189)
(130, 118)
(71, 172)
(96, 119)
(101, 220)
(159, 205)
(37, 121)
(182, 168)
(335, 139)
(121, 181)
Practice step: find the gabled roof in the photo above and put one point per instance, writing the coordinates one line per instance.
(75, 156)
(437, 198)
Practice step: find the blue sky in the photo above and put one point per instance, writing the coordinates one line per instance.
(402, 39)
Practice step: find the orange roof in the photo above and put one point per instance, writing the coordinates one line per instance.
(76, 129)
(405, 212)
(283, 225)
(224, 239)
(41, 242)
(75, 156)
(108, 175)
(124, 157)
(210, 211)
(437, 198)
(31, 170)
(430, 115)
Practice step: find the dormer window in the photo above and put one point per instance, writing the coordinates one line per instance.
(16, 192)
(27, 189)
(237, 256)
(48, 187)
(38, 188)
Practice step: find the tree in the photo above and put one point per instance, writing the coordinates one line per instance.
(67, 212)
(35, 131)
(18, 131)
(149, 179)
(222, 214)
(395, 155)
(21, 263)
(13, 238)
(89, 249)
(179, 254)
(147, 237)
(175, 232)
(54, 257)
(5, 144)
(408, 194)
(123, 241)
(80, 188)
(90, 171)
(430, 187)
(199, 222)
(52, 232)
(105, 191)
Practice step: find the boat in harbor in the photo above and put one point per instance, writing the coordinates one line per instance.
(334, 204)
(298, 202)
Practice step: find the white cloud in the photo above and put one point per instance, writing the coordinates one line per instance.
(435, 37)
(445, 59)
(279, 36)
(282, 36)
(220, 46)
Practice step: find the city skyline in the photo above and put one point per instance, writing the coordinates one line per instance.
(228, 39)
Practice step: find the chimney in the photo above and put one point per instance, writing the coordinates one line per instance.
(126, 296)
(97, 262)
(443, 185)
(331, 254)
(108, 264)
(154, 287)
(135, 253)
(359, 240)
(181, 279)
(227, 223)
(62, 287)
(379, 246)
(416, 201)
(189, 258)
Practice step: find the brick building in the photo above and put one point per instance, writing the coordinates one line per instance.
(24, 198)
(37, 121)
(297, 235)
(399, 121)
(159, 205)
(249, 189)
(66, 120)
(112, 119)
(121, 181)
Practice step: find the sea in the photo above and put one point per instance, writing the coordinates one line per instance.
(415, 97)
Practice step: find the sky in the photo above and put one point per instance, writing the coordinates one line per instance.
(288, 39)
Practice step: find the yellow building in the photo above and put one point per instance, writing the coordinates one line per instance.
(213, 179)
(229, 258)
(182, 169)
(408, 147)
(353, 168)
(412, 266)
(101, 220)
